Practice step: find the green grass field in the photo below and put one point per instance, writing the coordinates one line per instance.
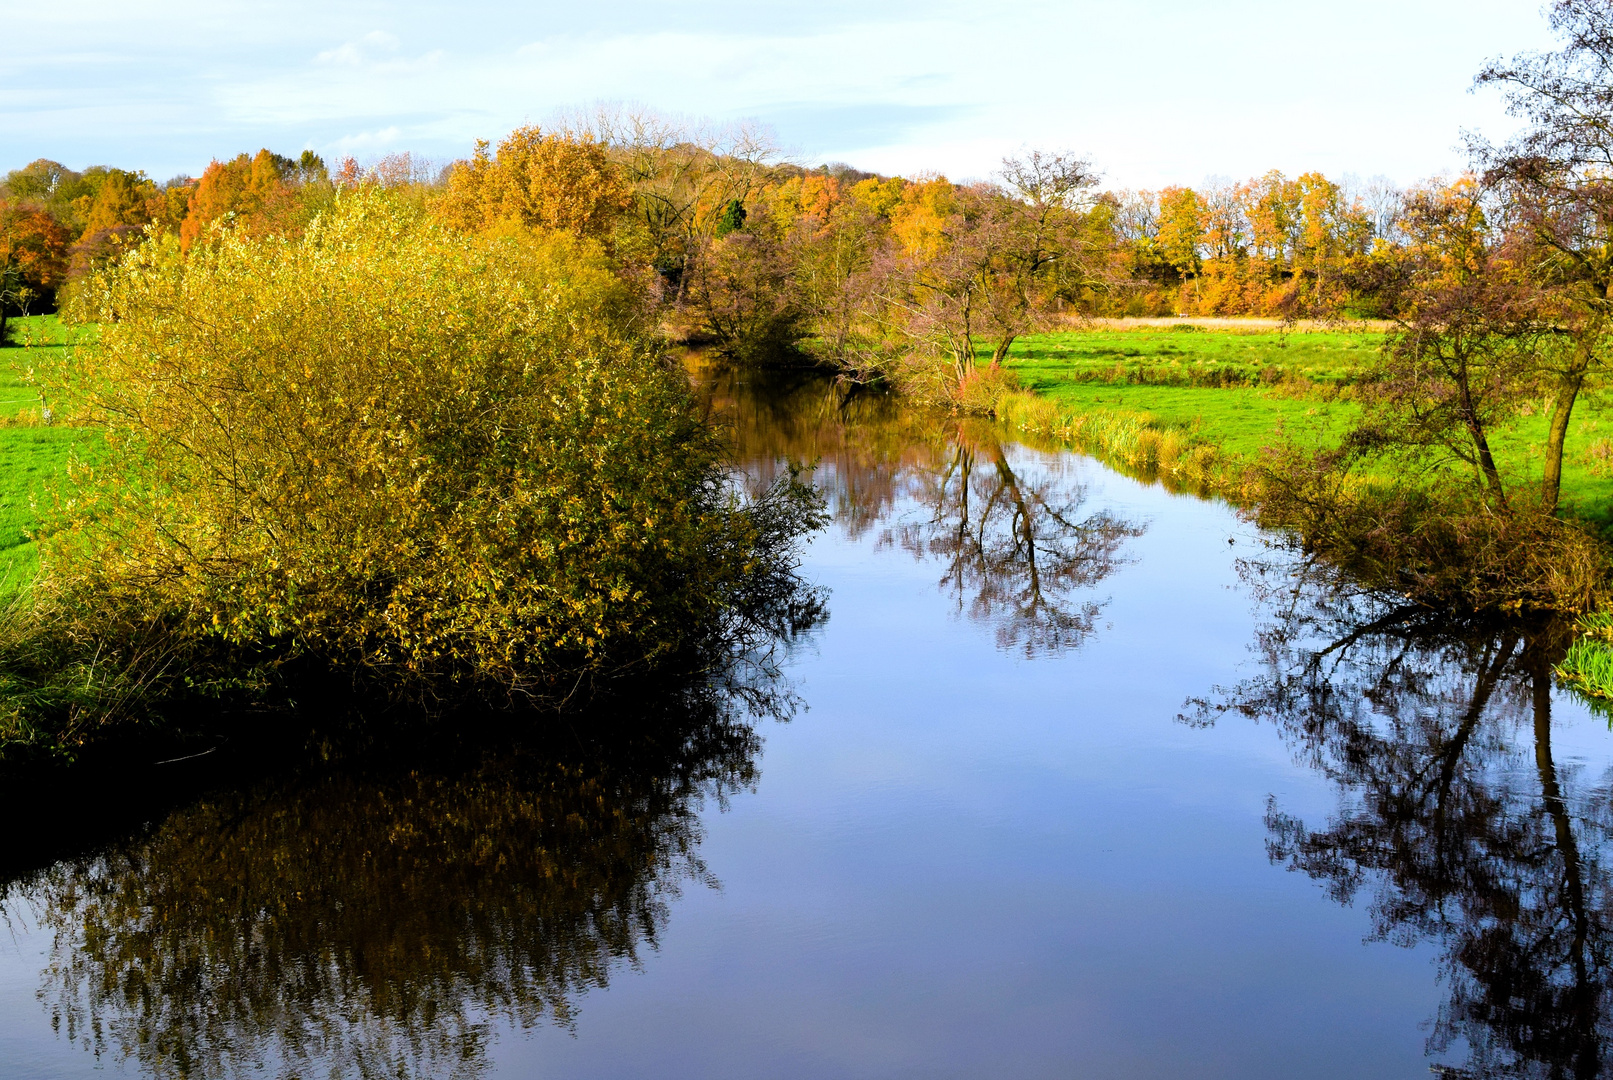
(1240, 390)
(1193, 355)
(32, 454)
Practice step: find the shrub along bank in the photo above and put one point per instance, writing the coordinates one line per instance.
(434, 464)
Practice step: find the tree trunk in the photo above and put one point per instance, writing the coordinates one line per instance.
(1569, 385)
(1481, 442)
(1556, 436)
(1000, 353)
(967, 367)
(1492, 475)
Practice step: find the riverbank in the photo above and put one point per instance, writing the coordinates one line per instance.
(1203, 410)
(1196, 405)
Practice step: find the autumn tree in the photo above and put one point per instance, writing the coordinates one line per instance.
(979, 265)
(39, 180)
(1043, 199)
(64, 193)
(424, 457)
(33, 256)
(741, 292)
(1556, 174)
(556, 181)
(1181, 230)
(1464, 357)
(685, 183)
(842, 264)
(244, 187)
(123, 204)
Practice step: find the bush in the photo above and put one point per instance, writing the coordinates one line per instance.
(744, 301)
(1435, 542)
(434, 462)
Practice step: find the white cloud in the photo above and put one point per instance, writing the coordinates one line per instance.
(361, 52)
(1154, 90)
(369, 141)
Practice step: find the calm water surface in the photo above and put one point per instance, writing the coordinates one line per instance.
(1084, 779)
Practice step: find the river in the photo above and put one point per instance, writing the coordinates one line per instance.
(1077, 777)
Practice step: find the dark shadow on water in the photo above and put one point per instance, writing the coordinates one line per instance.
(387, 914)
(1457, 822)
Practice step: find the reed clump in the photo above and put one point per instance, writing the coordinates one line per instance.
(1437, 544)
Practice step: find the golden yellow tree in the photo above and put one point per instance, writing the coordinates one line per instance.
(558, 181)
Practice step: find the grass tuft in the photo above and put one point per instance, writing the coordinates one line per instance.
(1588, 665)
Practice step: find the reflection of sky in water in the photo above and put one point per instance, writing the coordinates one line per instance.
(963, 862)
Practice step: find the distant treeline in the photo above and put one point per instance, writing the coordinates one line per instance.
(763, 257)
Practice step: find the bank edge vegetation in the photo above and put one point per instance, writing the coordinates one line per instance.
(366, 417)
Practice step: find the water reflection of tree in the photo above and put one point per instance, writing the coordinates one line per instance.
(384, 920)
(1018, 548)
(1454, 811)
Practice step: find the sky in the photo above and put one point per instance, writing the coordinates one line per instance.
(1153, 91)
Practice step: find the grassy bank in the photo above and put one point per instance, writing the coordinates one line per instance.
(1196, 405)
(33, 453)
(1189, 406)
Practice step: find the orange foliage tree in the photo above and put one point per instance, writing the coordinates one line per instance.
(123, 204)
(563, 182)
(33, 256)
(245, 186)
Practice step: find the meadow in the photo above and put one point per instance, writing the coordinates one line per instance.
(1229, 392)
(33, 453)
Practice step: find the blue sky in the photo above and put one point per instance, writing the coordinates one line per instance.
(1155, 92)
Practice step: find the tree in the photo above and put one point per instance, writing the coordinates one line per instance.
(1047, 252)
(1464, 357)
(244, 188)
(742, 292)
(557, 181)
(1556, 175)
(986, 263)
(122, 205)
(682, 179)
(732, 218)
(39, 180)
(1181, 230)
(33, 255)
